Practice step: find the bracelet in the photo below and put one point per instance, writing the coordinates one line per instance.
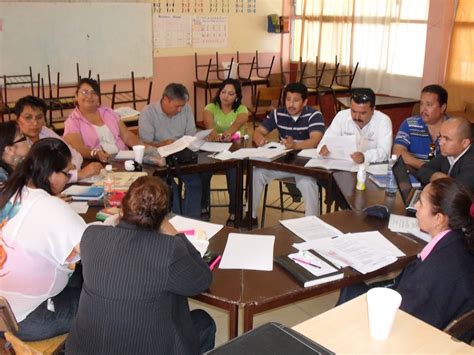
(93, 153)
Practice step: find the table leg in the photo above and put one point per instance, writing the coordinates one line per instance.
(248, 318)
(249, 193)
(233, 321)
(239, 193)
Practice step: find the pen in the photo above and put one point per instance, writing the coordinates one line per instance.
(215, 262)
(306, 262)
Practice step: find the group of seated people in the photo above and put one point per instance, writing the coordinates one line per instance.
(130, 292)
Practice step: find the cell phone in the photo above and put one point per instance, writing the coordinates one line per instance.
(211, 259)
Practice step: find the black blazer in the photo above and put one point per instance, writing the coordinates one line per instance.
(463, 169)
(441, 288)
(134, 296)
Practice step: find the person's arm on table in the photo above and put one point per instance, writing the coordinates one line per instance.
(75, 140)
(430, 168)
(240, 120)
(259, 136)
(208, 117)
(311, 142)
(408, 158)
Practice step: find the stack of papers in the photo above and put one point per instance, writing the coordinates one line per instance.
(332, 164)
(127, 113)
(268, 152)
(84, 193)
(310, 228)
(197, 232)
(364, 252)
(176, 146)
(404, 224)
(249, 252)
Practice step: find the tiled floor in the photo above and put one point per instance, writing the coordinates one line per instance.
(288, 315)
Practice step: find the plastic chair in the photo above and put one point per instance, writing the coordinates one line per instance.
(267, 99)
(9, 325)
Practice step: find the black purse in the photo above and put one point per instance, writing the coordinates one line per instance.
(183, 157)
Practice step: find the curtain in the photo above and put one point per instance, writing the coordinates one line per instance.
(460, 70)
(386, 37)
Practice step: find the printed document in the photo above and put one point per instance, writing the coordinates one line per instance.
(310, 228)
(176, 146)
(332, 164)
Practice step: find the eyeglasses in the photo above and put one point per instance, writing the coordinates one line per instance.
(21, 139)
(361, 98)
(88, 93)
(66, 174)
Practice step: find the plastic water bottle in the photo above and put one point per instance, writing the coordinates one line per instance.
(108, 185)
(361, 177)
(391, 188)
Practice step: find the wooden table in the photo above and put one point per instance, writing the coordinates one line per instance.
(258, 291)
(397, 108)
(345, 329)
(358, 200)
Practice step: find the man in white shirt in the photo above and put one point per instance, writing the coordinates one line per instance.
(372, 128)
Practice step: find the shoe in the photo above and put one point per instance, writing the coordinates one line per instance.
(296, 198)
(254, 223)
(205, 214)
(230, 221)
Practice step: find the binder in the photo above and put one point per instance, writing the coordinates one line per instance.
(271, 338)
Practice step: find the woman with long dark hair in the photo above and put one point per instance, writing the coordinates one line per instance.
(39, 237)
(13, 148)
(137, 277)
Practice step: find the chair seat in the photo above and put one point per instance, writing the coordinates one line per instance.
(46, 346)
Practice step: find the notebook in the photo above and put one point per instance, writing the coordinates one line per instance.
(410, 195)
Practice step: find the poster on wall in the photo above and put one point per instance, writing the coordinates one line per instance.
(172, 31)
(209, 32)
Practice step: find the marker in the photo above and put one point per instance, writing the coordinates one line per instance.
(187, 232)
(215, 262)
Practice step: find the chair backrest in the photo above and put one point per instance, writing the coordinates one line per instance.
(462, 328)
(305, 78)
(241, 64)
(261, 67)
(327, 104)
(8, 321)
(130, 96)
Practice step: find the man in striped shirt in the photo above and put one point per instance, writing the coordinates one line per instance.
(299, 127)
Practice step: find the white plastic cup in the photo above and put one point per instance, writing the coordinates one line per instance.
(138, 153)
(382, 305)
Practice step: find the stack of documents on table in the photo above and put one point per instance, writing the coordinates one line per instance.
(197, 232)
(127, 113)
(404, 224)
(364, 252)
(248, 251)
(176, 146)
(122, 179)
(268, 152)
(310, 228)
(308, 269)
(200, 143)
(84, 193)
(332, 164)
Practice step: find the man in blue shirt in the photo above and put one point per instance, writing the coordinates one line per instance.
(299, 127)
(417, 137)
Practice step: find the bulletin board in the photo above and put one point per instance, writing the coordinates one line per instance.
(183, 27)
(112, 39)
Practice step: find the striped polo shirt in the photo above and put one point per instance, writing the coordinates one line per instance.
(309, 120)
(413, 134)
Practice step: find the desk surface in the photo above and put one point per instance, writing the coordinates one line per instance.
(345, 329)
(381, 101)
(258, 291)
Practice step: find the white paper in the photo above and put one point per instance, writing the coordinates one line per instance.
(200, 139)
(249, 252)
(215, 147)
(176, 146)
(332, 164)
(127, 113)
(418, 233)
(203, 230)
(309, 153)
(310, 228)
(124, 155)
(80, 207)
(377, 169)
(342, 147)
(122, 179)
(323, 267)
(225, 155)
(377, 240)
(398, 223)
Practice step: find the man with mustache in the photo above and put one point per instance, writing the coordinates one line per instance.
(417, 140)
(299, 127)
(372, 128)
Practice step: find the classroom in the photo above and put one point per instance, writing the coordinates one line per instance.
(218, 176)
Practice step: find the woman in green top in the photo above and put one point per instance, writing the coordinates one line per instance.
(225, 115)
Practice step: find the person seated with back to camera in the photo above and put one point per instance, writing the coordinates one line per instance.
(457, 154)
(438, 286)
(30, 112)
(39, 237)
(225, 116)
(97, 131)
(13, 148)
(299, 127)
(417, 140)
(137, 277)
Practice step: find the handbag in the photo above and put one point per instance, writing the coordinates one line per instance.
(183, 157)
